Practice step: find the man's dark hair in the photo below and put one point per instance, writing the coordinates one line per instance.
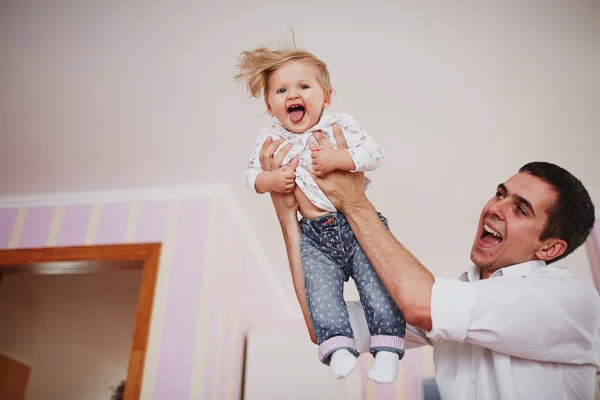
(571, 217)
(119, 392)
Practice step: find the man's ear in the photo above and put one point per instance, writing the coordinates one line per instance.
(551, 248)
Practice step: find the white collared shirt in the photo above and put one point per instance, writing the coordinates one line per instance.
(528, 332)
(366, 153)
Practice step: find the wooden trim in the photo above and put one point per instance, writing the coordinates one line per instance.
(14, 379)
(147, 253)
(117, 252)
(137, 358)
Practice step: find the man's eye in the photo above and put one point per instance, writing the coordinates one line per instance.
(521, 210)
(499, 195)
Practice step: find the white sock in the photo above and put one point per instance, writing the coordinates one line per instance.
(342, 363)
(384, 368)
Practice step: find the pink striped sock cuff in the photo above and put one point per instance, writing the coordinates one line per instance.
(335, 343)
(387, 341)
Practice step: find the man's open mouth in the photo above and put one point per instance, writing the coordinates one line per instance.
(490, 236)
(296, 112)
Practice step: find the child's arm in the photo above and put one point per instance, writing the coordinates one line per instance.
(363, 154)
(259, 181)
(366, 153)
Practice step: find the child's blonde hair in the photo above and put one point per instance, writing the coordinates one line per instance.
(255, 66)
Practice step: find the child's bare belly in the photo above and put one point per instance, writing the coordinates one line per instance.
(307, 208)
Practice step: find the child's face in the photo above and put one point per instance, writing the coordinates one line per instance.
(295, 97)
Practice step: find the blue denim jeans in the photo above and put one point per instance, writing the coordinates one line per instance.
(331, 255)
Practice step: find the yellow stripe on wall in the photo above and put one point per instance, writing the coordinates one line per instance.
(15, 236)
(92, 227)
(234, 339)
(55, 226)
(353, 385)
(428, 367)
(132, 222)
(206, 291)
(369, 384)
(222, 315)
(400, 382)
(160, 301)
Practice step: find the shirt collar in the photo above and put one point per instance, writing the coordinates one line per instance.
(522, 270)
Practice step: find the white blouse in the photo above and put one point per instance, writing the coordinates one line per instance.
(365, 152)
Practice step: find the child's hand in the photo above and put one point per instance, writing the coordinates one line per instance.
(279, 180)
(283, 180)
(325, 159)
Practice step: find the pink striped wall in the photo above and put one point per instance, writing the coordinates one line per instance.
(239, 292)
(213, 290)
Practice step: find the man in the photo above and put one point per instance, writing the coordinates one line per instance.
(512, 327)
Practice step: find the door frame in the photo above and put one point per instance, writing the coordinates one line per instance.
(86, 259)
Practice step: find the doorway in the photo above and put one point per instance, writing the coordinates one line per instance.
(98, 260)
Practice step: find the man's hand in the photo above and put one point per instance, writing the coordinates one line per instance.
(342, 188)
(284, 203)
(268, 162)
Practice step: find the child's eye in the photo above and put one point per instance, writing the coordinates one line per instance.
(281, 90)
(303, 86)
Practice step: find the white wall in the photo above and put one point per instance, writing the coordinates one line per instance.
(304, 378)
(131, 94)
(73, 330)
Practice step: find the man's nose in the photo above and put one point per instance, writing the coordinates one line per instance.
(499, 208)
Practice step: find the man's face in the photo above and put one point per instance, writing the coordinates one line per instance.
(511, 224)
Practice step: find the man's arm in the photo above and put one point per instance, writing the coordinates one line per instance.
(286, 208)
(407, 281)
(291, 234)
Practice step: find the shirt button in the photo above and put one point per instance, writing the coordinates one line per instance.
(473, 381)
(330, 221)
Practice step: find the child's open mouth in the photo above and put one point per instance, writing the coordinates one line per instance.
(296, 113)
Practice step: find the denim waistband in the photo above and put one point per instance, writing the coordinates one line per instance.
(331, 219)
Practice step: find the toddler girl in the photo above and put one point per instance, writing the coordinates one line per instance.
(296, 88)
